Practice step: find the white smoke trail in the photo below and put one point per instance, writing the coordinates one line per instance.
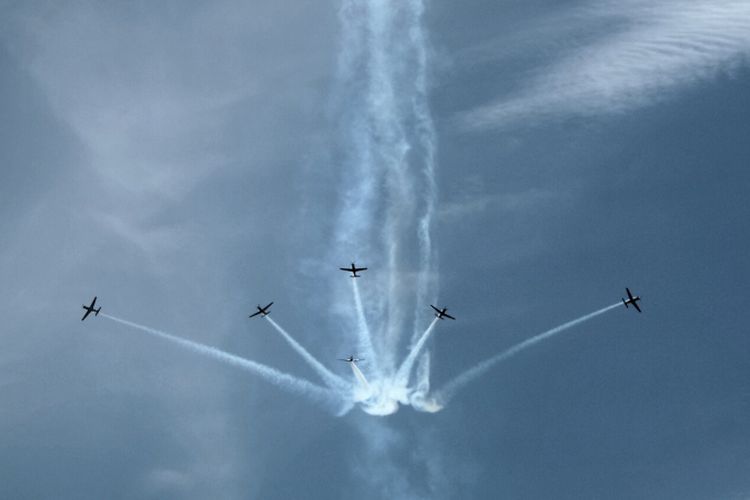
(418, 399)
(427, 284)
(285, 381)
(362, 167)
(446, 393)
(389, 154)
(363, 332)
(386, 109)
(361, 377)
(402, 376)
(333, 381)
(423, 374)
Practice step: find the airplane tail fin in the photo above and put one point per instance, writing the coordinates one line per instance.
(626, 304)
(96, 313)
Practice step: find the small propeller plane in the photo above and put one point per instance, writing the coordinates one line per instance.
(90, 309)
(351, 359)
(441, 313)
(632, 300)
(263, 311)
(353, 270)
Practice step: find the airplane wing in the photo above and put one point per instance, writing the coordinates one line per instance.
(254, 314)
(359, 269)
(446, 315)
(269, 305)
(630, 295)
(344, 269)
(89, 308)
(436, 309)
(635, 304)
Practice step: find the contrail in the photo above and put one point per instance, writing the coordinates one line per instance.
(333, 381)
(402, 376)
(285, 381)
(363, 331)
(447, 392)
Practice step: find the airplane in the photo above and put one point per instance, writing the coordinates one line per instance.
(263, 311)
(353, 270)
(441, 313)
(351, 359)
(90, 309)
(632, 300)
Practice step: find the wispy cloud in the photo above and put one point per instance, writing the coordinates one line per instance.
(660, 47)
(470, 205)
(144, 131)
(159, 96)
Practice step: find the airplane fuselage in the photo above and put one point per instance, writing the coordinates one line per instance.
(353, 269)
(262, 311)
(441, 313)
(350, 359)
(632, 299)
(91, 309)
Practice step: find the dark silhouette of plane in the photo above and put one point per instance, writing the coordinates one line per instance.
(351, 359)
(353, 270)
(441, 313)
(90, 309)
(263, 311)
(632, 300)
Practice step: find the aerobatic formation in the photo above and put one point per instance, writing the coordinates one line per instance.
(385, 206)
(387, 387)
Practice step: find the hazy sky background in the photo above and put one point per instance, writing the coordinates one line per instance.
(186, 161)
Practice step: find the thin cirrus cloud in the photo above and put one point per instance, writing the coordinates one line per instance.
(152, 94)
(662, 47)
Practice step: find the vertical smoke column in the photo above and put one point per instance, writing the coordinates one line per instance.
(388, 152)
(427, 279)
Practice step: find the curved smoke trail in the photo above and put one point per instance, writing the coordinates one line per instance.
(449, 390)
(418, 399)
(285, 381)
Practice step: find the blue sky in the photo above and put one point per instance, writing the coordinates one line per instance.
(185, 162)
